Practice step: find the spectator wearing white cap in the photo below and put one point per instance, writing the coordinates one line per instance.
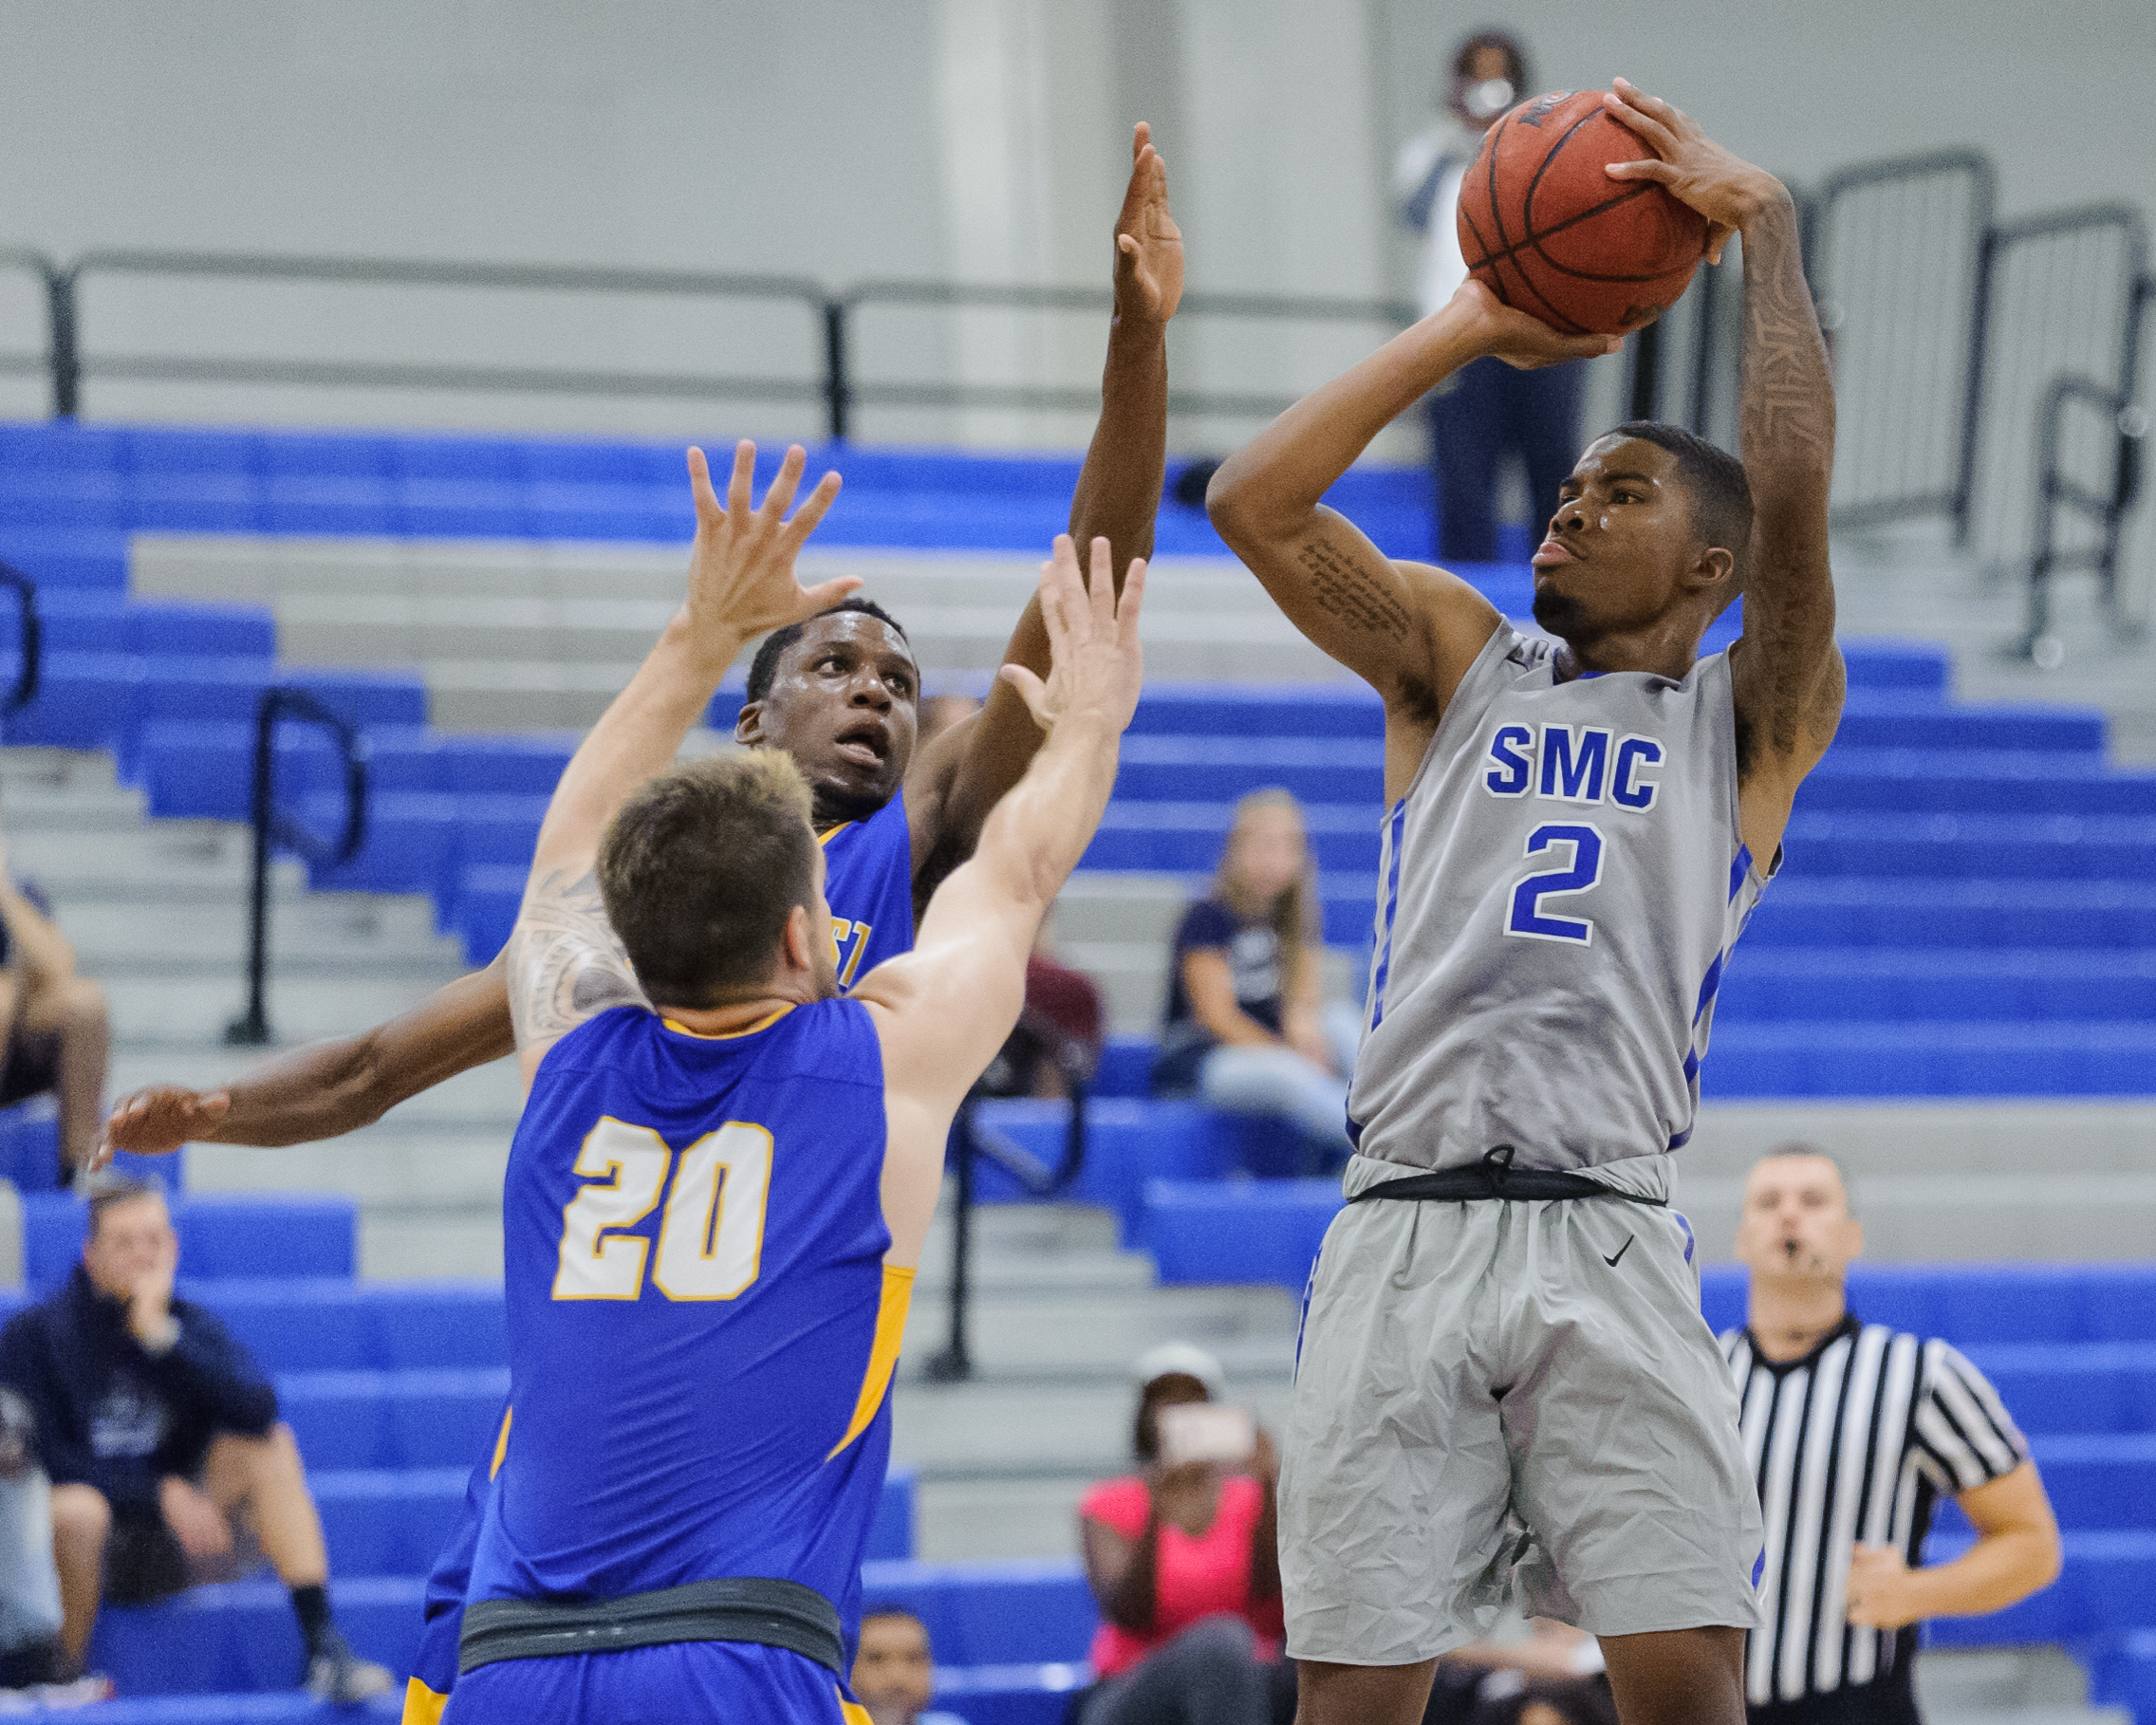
(1183, 1556)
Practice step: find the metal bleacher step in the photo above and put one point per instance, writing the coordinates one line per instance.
(524, 635)
(2007, 1686)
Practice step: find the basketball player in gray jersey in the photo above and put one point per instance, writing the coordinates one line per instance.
(1504, 1379)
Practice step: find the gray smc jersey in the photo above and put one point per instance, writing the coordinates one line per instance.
(1559, 892)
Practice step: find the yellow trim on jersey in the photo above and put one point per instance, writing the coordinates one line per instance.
(762, 1024)
(831, 832)
(882, 1353)
(850, 1713)
(423, 1707)
(501, 1443)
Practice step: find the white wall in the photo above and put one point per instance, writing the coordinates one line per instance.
(845, 138)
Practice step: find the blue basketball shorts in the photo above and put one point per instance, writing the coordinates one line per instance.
(723, 1681)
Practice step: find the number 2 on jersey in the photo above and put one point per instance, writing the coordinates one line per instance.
(1584, 871)
(711, 1238)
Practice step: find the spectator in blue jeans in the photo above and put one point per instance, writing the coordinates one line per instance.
(1246, 1028)
(1488, 412)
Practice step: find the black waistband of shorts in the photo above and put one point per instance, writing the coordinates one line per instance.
(738, 1609)
(1494, 1176)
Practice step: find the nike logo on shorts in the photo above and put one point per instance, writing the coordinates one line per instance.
(1621, 1252)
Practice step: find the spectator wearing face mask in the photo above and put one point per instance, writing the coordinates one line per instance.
(1488, 412)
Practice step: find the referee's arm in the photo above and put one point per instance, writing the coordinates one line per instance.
(2016, 1553)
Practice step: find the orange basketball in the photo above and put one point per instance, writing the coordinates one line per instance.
(1551, 234)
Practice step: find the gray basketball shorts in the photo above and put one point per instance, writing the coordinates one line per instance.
(1494, 1396)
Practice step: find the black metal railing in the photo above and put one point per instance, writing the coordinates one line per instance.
(35, 264)
(831, 374)
(274, 828)
(846, 390)
(2060, 301)
(2119, 426)
(1895, 253)
(972, 1141)
(71, 365)
(30, 639)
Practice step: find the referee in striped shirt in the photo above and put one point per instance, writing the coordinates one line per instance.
(1854, 1432)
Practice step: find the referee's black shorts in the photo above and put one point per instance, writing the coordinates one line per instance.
(1888, 1701)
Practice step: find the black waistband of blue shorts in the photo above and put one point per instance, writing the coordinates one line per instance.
(740, 1608)
(1494, 1176)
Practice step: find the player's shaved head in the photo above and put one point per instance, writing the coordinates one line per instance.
(701, 869)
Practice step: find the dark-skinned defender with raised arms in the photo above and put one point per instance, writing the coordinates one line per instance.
(839, 697)
(838, 692)
(1505, 1382)
(726, 1166)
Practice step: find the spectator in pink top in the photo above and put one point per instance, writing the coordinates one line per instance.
(1183, 1558)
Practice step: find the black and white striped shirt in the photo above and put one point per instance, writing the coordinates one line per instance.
(1855, 1442)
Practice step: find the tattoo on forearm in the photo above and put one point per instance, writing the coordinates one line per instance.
(1344, 591)
(565, 964)
(1787, 398)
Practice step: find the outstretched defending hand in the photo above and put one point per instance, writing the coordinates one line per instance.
(1098, 664)
(741, 579)
(1148, 245)
(1725, 188)
(157, 1120)
(1524, 343)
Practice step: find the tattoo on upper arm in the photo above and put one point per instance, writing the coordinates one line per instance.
(1344, 590)
(564, 963)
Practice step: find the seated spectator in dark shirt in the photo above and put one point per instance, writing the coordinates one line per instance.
(1245, 1030)
(159, 1433)
(53, 1021)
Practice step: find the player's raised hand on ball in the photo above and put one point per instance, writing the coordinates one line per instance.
(1523, 341)
(1148, 245)
(741, 579)
(1722, 186)
(1097, 664)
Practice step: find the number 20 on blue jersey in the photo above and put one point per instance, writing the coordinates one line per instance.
(711, 1237)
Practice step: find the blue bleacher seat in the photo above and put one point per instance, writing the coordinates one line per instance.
(241, 1636)
(332, 1324)
(29, 1145)
(2086, 1387)
(221, 1238)
(395, 1521)
(2122, 1673)
(1018, 1609)
(1129, 1141)
(1010, 1695)
(276, 1707)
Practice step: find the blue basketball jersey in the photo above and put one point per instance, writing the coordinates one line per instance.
(868, 884)
(701, 1326)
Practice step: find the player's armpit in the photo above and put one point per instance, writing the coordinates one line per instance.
(564, 963)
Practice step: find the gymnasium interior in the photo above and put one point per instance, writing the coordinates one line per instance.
(346, 364)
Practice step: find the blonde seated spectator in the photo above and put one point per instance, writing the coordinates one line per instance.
(1247, 1029)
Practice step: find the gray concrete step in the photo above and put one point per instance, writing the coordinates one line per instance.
(513, 635)
(2007, 1686)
